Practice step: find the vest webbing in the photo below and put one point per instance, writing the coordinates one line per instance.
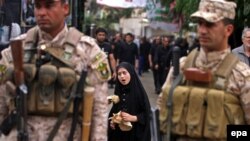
(72, 38)
(224, 68)
(62, 58)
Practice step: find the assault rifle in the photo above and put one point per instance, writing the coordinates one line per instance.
(177, 80)
(21, 90)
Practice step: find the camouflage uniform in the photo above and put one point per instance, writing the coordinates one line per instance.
(238, 84)
(39, 127)
(210, 15)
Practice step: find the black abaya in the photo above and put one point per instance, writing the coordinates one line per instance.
(133, 100)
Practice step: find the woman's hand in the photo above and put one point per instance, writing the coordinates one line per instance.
(112, 125)
(127, 117)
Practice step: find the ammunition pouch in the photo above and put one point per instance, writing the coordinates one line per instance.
(29, 72)
(66, 79)
(45, 89)
(9, 75)
(200, 112)
(49, 88)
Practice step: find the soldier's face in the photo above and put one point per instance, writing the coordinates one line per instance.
(123, 76)
(50, 15)
(213, 36)
(246, 39)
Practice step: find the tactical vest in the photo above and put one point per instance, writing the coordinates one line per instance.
(203, 110)
(50, 81)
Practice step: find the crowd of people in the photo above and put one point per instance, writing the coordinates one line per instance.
(150, 54)
(60, 66)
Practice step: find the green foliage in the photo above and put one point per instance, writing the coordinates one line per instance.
(187, 7)
(166, 2)
(104, 16)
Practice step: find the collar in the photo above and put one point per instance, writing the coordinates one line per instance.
(241, 49)
(211, 59)
(58, 39)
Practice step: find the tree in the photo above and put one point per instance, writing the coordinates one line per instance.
(103, 16)
(187, 7)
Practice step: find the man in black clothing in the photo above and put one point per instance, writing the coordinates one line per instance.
(129, 52)
(162, 59)
(106, 47)
(117, 43)
(156, 43)
(145, 47)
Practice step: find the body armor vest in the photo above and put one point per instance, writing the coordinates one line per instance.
(49, 75)
(203, 110)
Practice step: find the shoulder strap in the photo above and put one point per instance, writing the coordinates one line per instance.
(31, 35)
(226, 66)
(73, 37)
(31, 42)
(224, 70)
(190, 58)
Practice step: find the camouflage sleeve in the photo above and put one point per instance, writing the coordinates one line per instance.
(6, 56)
(4, 62)
(240, 85)
(245, 99)
(98, 75)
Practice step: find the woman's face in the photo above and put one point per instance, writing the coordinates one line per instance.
(123, 76)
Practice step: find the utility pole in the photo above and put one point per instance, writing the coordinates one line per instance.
(78, 13)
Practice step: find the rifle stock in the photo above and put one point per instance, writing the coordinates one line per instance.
(17, 54)
(21, 89)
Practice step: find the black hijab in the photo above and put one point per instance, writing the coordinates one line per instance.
(137, 102)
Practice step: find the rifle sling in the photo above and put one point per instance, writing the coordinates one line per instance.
(62, 116)
(176, 82)
(77, 98)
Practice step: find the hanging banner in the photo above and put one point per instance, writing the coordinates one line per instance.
(163, 18)
(123, 3)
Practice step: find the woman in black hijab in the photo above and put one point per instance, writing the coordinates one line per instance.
(134, 106)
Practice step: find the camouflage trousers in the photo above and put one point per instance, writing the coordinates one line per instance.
(40, 127)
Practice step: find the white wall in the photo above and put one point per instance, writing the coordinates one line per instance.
(133, 25)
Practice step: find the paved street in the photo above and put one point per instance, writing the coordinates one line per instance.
(147, 81)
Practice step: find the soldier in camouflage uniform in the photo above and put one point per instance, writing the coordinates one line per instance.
(51, 32)
(215, 25)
